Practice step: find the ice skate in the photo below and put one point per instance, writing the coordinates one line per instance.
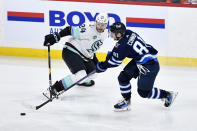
(171, 96)
(50, 92)
(53, 91)
(87, 84)
(122, 105)
(47, 93)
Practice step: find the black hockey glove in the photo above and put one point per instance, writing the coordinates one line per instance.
(95, 60)
(51, 39)
(100, 67)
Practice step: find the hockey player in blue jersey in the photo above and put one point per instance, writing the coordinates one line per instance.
(144, 66)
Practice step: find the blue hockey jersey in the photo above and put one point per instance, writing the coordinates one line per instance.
(131, 45)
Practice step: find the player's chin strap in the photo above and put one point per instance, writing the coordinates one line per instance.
(143, 70)
(117, 37)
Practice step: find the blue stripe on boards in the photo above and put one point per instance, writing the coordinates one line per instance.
(26, 19)
(145, 25)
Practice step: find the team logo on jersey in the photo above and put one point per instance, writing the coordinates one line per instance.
(94, 37)
(95, 46)
(117, 44)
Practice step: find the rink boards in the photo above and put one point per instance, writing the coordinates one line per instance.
(169, 29)
(57, 54)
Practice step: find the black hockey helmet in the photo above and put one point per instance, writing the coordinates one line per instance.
(118, 27)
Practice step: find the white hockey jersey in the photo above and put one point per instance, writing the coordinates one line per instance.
(86, 40)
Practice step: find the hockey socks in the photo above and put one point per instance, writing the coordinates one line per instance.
(167, 96)
(62, 84)
(157, 93)
(125, 90)
(59, 86)
(67, 82)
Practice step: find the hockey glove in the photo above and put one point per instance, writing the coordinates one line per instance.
(100, 68)
(109, 55)
(51, 39)
(95, 60)
(142, 69)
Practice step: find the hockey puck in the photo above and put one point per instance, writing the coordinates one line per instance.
(23, 114)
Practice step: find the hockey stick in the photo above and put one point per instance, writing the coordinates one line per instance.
(51, 99)
(49, 65)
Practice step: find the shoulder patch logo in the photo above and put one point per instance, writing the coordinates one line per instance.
(94, 37)
(117, 44)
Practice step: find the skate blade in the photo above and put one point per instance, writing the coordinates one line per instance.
(123, 109)
(174, 97)
(47, 94)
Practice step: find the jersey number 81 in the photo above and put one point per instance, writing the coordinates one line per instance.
(139, 48)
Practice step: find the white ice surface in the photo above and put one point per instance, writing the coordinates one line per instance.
(91, 109)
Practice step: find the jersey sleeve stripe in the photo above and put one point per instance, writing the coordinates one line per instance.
(75, 32)
(113, 63)
(101, 69)
(146, 58)
(117, 61)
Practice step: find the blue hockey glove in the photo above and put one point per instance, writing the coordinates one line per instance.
(95, 60)
(100, 68)
(109, 55)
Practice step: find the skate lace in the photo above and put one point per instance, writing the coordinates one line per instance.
(166, 100)
(121, 102)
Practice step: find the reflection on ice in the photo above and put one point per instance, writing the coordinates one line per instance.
(91, 109)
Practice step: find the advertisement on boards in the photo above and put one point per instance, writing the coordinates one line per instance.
(27, 23)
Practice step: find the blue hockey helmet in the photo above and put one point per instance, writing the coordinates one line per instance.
(118, 27)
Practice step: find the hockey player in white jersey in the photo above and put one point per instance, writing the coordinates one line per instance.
(79, 51)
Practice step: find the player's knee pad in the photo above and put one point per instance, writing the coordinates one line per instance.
(143, 93)
(123, 78)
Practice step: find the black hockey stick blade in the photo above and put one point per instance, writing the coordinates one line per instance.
(51, 99)
(41, 105)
